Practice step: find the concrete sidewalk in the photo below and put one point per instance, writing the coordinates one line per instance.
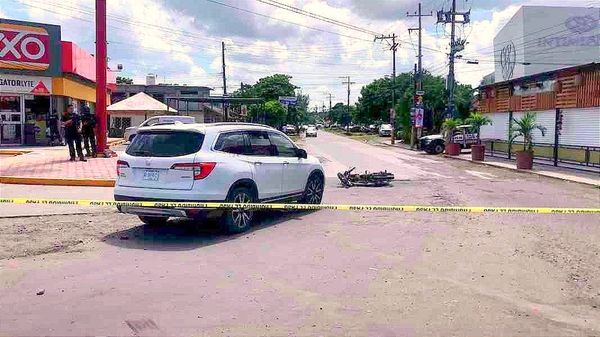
(578, 176)
(582, 177)
(51, 166)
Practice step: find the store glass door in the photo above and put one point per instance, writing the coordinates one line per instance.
(11, 120)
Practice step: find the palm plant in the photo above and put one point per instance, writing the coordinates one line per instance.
(448, 127)
(477, 120)
(524, 127)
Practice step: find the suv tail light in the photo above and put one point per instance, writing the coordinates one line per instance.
(201, 170)
(121, 164)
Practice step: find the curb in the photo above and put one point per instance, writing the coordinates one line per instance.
(522, 171)
(57, 181)
(14, 152)
(117, 142)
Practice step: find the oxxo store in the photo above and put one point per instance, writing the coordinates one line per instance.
(39, 76)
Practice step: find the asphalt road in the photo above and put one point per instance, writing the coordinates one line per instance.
(325, 272)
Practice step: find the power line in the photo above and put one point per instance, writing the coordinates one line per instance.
(317, 16)
(286, 21)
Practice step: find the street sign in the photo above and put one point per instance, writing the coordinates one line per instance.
(288, 100)
(420, 92)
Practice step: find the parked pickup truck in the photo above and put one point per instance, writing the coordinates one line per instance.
(435, 144)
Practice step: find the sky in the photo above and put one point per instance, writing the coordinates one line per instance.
(180, 40)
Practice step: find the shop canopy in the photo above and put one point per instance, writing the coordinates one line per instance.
(139, 103)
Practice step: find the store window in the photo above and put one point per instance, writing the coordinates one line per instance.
(37, 111)
(11, 120)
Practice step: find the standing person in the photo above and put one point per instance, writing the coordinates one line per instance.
(88, 122)
(70, 122)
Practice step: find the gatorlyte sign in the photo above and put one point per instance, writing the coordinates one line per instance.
(19, 84)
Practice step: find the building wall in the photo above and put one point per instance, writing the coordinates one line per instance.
(549, 38)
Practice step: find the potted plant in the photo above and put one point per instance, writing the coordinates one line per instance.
(524, 127)
(448, 127)
(477, 120)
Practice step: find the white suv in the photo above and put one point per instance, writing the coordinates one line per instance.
(234, 162)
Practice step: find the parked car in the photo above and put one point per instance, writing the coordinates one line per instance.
(352, 128)
(435, 144)
(385, 130)
(319, 126)
(130, 132)
(220, 162)
(311, 131)
(289, 129)
(373, 128)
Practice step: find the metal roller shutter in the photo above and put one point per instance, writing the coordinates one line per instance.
(581, 127)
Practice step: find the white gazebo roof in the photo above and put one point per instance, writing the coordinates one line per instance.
(140, 102)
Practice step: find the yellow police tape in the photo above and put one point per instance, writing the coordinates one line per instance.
(224, 205)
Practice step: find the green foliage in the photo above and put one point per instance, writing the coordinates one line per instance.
(448, 127)
(477, 120)
(524, 127)
(376, 99)
(339, 114)
(269, 88)
(275, 113)
(124, 80)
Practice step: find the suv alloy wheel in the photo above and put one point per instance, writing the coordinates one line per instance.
(313, 194)
(238, 220)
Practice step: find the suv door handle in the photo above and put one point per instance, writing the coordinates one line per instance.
(257, 163)
(286, 163)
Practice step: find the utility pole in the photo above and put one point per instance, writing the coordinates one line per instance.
(455, 46)
(101, 67)
(420, 54)
(225, 112)
(393, 48)
(348, 82)
(418, 74)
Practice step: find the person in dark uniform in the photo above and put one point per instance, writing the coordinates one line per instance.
(54, 127)
(88, 123)
(71, 122)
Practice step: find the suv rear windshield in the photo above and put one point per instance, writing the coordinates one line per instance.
(165, 144)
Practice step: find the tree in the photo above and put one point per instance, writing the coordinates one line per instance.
(448, 127)
(269, 88)
(524, 127)
(124, 80)
(275, 113)
(477, 120)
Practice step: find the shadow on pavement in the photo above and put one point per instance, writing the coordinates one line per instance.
(180, 235)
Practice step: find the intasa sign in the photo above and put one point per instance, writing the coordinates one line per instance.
(28, 47)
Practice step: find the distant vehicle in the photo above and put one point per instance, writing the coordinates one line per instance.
(435, 144)
(352, 128)
(385, 130)
(219, 162)
(130, 132)
(373, 128)
(289, 129)
(311, 131)
(319, 126)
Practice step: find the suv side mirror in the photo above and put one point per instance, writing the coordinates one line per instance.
(301, 153)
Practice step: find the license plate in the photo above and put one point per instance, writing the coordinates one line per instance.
(151, 175)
